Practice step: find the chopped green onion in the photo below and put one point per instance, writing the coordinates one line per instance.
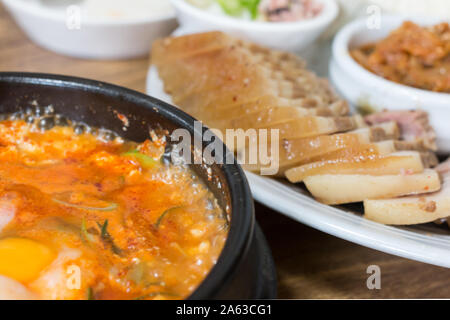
(85, 235)
(110, 207)
(106, 237)
(104, 230)
(145, 161)
(165, 213)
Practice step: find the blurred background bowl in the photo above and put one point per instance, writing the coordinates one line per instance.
(57, 30)
(286, 36)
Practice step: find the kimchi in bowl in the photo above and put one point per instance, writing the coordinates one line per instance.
(366, 89)
(146, 253)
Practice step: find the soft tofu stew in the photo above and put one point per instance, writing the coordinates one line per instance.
(87, 215)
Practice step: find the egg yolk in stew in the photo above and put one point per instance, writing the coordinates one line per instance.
(85, 214)
(23, 259)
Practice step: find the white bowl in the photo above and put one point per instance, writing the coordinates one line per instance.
(362, 87)
(102, 39)
(286, 36)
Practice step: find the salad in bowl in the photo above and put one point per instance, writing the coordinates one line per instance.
(263, 10)
(287, 25)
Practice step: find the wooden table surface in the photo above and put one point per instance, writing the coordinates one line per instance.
(310, 264)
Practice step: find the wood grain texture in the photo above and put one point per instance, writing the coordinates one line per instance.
(310, 264)
(18, 53)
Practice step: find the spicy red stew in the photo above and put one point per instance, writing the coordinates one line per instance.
(87, 215)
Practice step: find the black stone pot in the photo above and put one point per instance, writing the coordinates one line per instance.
(245, 269)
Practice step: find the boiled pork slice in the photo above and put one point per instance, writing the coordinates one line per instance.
(414, 125)
(299, 151)
(403, 163)
(421, 208)
(348, 188)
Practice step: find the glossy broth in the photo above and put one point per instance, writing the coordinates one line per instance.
(87, 215)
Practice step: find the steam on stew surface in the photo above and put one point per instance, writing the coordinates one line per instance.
(86, 215)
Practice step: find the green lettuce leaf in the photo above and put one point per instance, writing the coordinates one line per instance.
(231, 7)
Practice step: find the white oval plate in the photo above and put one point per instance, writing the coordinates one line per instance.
(422, 243)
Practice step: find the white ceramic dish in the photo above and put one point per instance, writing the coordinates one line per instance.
(422, 243)
(102, 39)
(360, 86)
(287, 36)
